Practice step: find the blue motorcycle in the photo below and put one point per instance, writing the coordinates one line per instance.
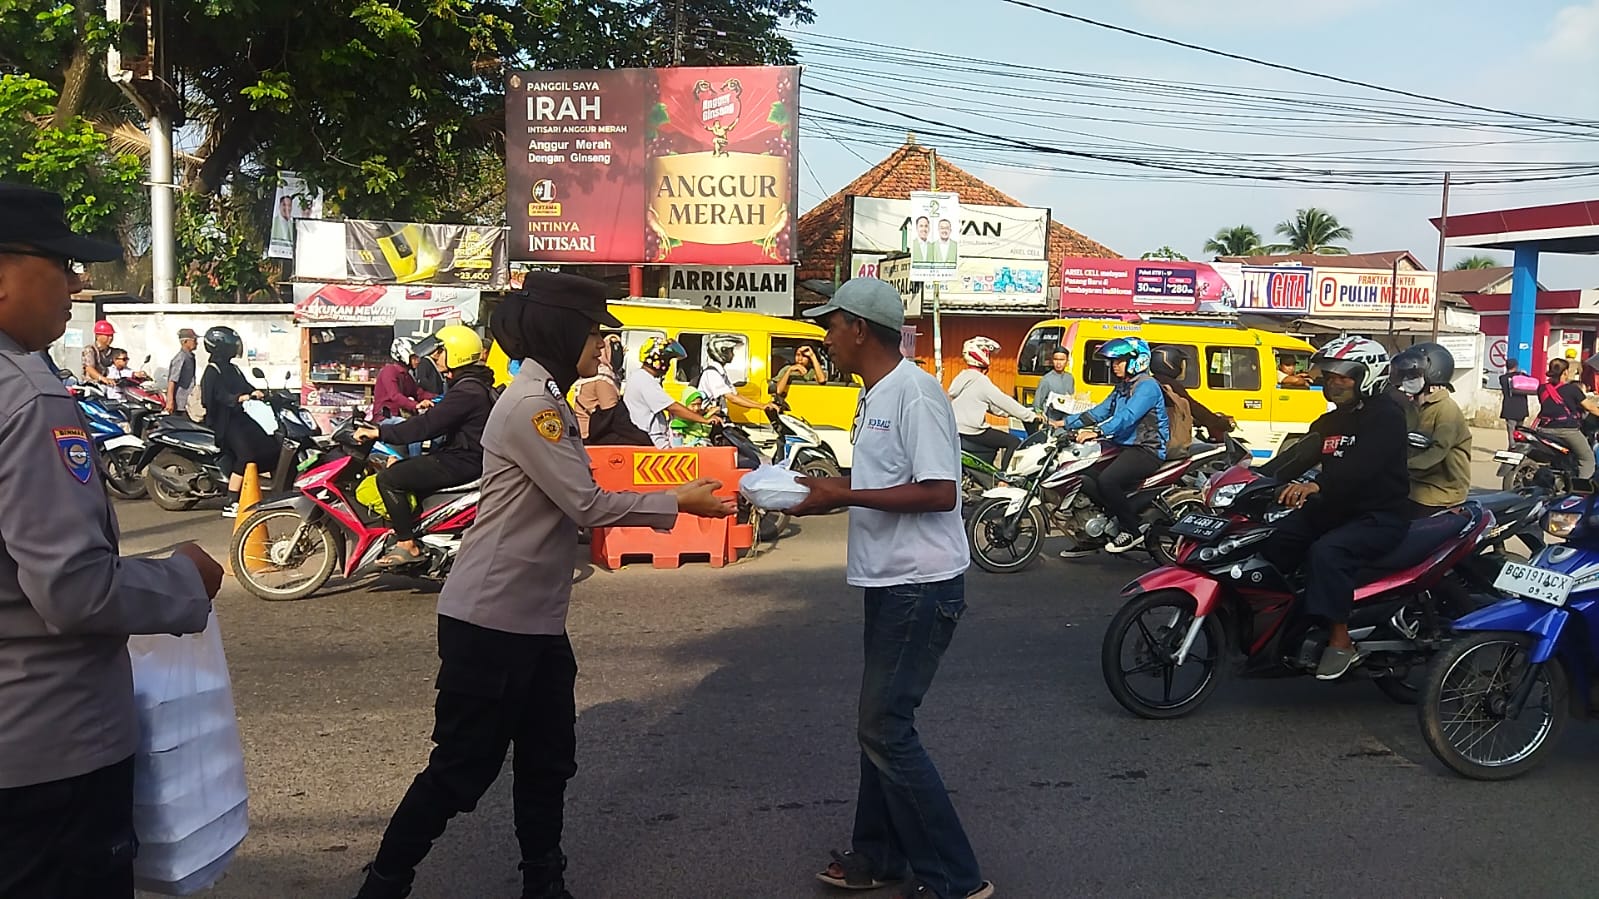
(1497, 699)
(118, 449)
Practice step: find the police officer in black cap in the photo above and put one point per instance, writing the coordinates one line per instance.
(506, 669)
(68, 602)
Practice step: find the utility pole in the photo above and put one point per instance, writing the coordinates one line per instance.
(1443, 234)
(144, 81)
(938, 323)
(677, 35)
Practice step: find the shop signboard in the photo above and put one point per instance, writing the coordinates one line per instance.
(896, 270)
(1344, 292)
(317, 305)
(688, 165)
(1148, 285)
(1276, 289)
(997, 232)
(767, 289)
(864, 265)
(1006, 284)
(402, 253)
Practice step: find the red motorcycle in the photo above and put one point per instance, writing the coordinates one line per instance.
(290, 546)
(1163, 652)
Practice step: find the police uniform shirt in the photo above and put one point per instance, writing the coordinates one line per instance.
(514, 570)
(67, 601)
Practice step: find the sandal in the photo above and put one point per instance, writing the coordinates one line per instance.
(854, 872)
(398, 557)
(985, 890)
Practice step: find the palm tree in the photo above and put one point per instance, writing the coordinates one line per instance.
(1313, 230)
(1239, 240)
(1471, 262)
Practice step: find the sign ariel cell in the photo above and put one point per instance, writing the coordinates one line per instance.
(688, 166)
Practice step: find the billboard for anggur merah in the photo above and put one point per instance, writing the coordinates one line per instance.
(683, 166)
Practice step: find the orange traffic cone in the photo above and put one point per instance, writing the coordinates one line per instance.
(254, 554)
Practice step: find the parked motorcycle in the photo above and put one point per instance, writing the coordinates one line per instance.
(1221, 595)
(1535, 459)
(1497, 699)
(1043, 494)
(290, 545)
(798, 446)
(119, 450)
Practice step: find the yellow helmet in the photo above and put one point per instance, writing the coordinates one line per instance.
(461, 345)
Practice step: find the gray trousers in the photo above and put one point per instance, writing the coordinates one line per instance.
(1577, 442)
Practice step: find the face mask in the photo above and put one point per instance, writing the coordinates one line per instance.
(1338, 394)
(1413, 386)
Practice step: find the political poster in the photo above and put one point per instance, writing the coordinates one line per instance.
(292, 200)
(935, 238)
(690, 165)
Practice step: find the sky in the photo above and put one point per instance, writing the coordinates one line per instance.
(1533, 56)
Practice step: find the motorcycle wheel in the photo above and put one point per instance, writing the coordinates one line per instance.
(991, 550)
(122, 473)
(273, 555)
(818, 466)
(1160, 541)
(769, 525)
(1524, 475)
(1463, 704)
(1158, 622)
(165, 498)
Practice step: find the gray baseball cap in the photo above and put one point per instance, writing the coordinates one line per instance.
(873, 299)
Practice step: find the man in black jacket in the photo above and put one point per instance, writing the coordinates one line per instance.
(1356, 505)
(460, 415)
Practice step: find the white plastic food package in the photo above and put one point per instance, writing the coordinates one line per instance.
(773, 487)
(190, 807)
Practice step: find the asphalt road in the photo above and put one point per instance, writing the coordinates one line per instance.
(717, 759)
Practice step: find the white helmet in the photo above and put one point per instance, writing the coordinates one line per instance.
(1360, 358)
(978, 352)
(402, 349)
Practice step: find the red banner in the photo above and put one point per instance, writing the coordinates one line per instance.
(680, 166)
(1148, 285)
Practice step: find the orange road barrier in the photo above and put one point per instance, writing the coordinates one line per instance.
(643, 469)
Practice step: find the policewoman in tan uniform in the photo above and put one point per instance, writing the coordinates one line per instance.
(506, 669)
(68, 601)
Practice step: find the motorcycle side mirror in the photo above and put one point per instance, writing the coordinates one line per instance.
(258, 373)
(146, 359)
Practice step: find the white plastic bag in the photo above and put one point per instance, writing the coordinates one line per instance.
(190, 807)
(773, 487)
(262, 413)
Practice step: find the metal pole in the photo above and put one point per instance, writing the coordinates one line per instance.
(677, 35)
(1443, 234)
(1393, 299)
(938, 322)
(163, 264)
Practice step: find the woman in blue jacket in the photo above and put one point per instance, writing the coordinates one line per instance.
(1133, 416)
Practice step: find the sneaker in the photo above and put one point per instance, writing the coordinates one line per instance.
(231, 510)
(1335, 663)
(1124, 541)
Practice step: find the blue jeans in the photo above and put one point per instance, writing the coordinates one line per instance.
(903, 814)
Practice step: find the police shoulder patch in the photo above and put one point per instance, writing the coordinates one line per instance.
(548, 424)
(77, 452)
(555, 390)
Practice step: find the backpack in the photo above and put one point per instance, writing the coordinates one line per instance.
(1523, 385)
(1553, 411)
(1180, 423)
(195, 405)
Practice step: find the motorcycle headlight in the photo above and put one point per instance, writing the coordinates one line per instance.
(1224, 495)
(1561, 524)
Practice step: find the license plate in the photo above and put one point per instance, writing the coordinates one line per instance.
(1200, 527)
(1541, 584)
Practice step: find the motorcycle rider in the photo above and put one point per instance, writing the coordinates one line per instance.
(1133, 416)
(717, 384)
(1440, 471)
(1561, 405)
(223, 392)
(396, 394)
(974, 396)
(1360, 496)
(460, 416)
(97, 356)
(1169, 365)
(648, 404)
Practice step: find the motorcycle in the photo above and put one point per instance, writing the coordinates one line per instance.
(1222, 594)
(1496, 700)
(1535, 459)
(306, 535)
(1007, 528)
(182, 462)
(119, 450)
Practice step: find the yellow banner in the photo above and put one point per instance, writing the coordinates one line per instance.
(665, 469)
(710, 199)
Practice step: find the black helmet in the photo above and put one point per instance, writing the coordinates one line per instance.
(223, 342)
(1168, 362)
(1430, 361)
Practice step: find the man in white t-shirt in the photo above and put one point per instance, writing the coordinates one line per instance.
(649, 406)
(908, 549)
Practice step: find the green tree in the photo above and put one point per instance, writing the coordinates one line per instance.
(64, 154)
(1313, 230)
(1239, 240)
(1471, 262)
(1164, 253)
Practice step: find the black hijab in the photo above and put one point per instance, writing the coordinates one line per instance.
(549, 321)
